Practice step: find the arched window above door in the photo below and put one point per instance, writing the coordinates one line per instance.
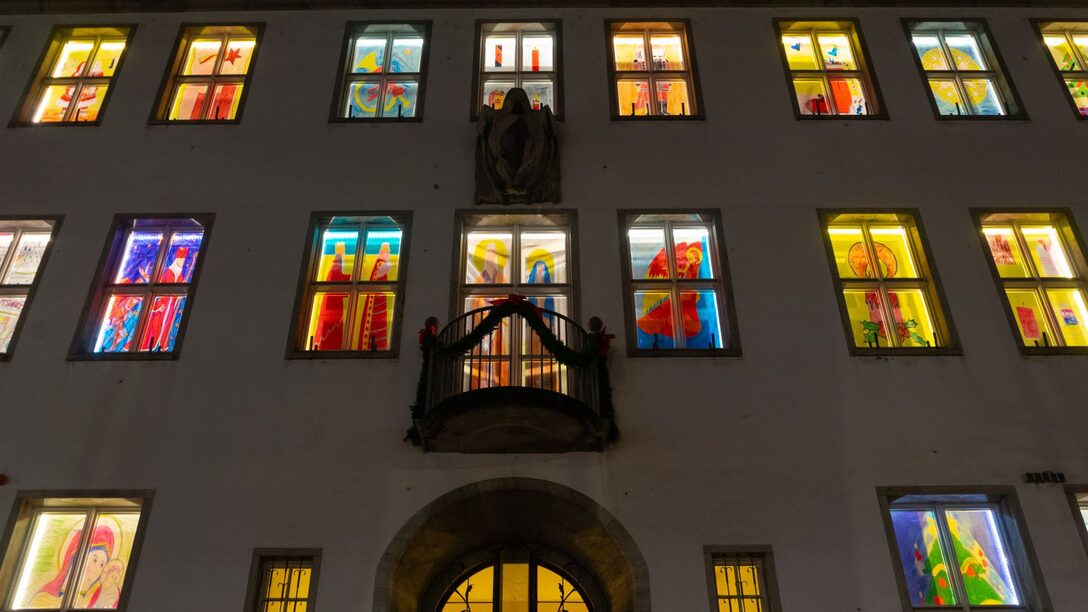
(515, 581)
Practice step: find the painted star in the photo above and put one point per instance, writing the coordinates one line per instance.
(233, 54)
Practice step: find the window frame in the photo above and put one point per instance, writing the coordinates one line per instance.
(5, 31)
(304, 292)
(1002, 500)
(929, 282)
(256, 574)
(344, 78)
(1039, 25)
(998, 73)
(1072, 492)
(186, 32)
(90, 319)
(866, 73)
(29, 503)
(40, 79)
(691, 73)
(31, 290)
(478, 74)
(762, 553)
(1062, 219)
(721, 285)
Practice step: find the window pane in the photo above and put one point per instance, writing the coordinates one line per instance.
(336, 261)
(54, 104)
(672, 97)
(11, 307)
(538, 53)
(633, 97)
(495, 92)
(201, 57)
(800, 54)
(1079, 91)
(488, 258)
(1005, 251)
(692, 252)
(543, 257)
(702, 325)
(553, 588)
(181, 257)
(73, 58)
(849, 97)
(1062, 53)
(287, 580)
(239, 53)
(163, 321)
(892, 247)
(107, 58)
(363, 99)
(1072, 314)
(188, 102)
(515, 587)
(947, 96)
(225, 102)
(26, 258)
(407, 54)
(5, 244)
(500, 53)
(373, 327)
(965, 52)
(811, 96)
(328, 319)
(851, 256)
(89, 102)
(648, 253)
(982, 558)
(138, 261)
(400, 99)
(118, 327)
(930, 52)
(654, 316)
(478, 588)
(983, 96)
(630, 52)
(498, 342)
(381, 255)
(912, 322)
(51, 556)
(1046, 251)
(836, 52)
(369, 55)
(668, 52)
(1031, 318)
(541, 93)
(1081, 41)
(866, 318)
(106, 561)
(924, 561)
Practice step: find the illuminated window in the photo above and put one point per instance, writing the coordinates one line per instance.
(75, 77)
(73, 553)
(209, 74)
(354, 280)
(151, 269)
(1040, 267)
(1078, 497)
(24, 245)
(515, 583)
(1067, 43)
(283, 580)
(828, 72)
(742, 581)
(962, 71)
(383, 71)
(519, 54)
(653, 69)
(676, 300)
(961, 551)
(886, 286)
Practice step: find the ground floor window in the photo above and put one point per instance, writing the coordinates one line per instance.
(515, 581)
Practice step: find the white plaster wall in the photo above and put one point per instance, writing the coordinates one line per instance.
(783, 446)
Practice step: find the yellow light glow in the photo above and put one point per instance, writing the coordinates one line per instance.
(206, 44)
(113, 46)
(1054, 41)
(1058, 254)
(243, 43)
(21, 591)
(844, 231)
(889, 231)
(997, 231)
(70, 47)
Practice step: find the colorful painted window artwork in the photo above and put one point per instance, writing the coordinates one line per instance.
(519, 54)
(1067, 44)
(954, 556)
(286, 583)
(740, 583)
(23, 245)
(514, 585)
(211, 69)
(1040, 268)
(75, 558)
(653, 70)
(827, 69)
(351, 300)
(384, 71)
(76, 75)
(148, 285)
(887, 293)
(676, 289)
(961, 70)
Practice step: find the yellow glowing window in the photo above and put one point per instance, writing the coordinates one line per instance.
(23, 245)
(961, 70)
(1067, 46)
(652, 70)
(740, 583)
(516, 584)
(827, 69)
(1039, 265)
(212, 67)
(519, 54)
(76, 75)
(287, 582)
(887, 293)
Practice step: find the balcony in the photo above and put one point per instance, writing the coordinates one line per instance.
(513, 378)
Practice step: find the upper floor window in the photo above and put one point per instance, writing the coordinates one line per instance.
(652, 66)
(24, 244)
(152, 265)
(518, 54)
(209, 73)
(887, 288)
(70, 553)
(384, 65)
(75, 77)
(1068, 46)
(1078, 497)
(1040, 268)
(677, 299)
(742, 580)
(827, 67)
(962, 70)
(283, 580)
(354, 278)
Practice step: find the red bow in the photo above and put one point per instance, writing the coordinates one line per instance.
(428, 332)
(515, 299)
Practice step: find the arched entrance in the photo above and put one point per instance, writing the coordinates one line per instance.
(519, 520)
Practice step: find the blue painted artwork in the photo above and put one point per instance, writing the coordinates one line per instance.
(118, 327)
(407, 54)
(138, 260)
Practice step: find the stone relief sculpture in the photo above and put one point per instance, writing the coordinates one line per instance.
(517, 153)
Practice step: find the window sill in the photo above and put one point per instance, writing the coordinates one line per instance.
(906, 352)
(876, 117)
(31, 124)
(144, 356)
(195, 122)
(1053, 351)
(982, 118)
(687, 353)
(637, 118)
(323, 355)
(417, 119)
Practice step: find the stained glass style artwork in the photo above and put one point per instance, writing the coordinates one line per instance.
(647, 244)
(851, 256)
(181, 256)
(11, 308)
(188, 102)
(1005, 251)
(336, 262)
(163, 321)
(848, 96)
(530, 343)
(51, 554)
(237, 56)
(965, 52)
(381, 255)
(108, 57)
(1078, 89)
(633, 97)
(930, 52)
(1071, 312)
(667, 52)
(655, 319)
(811, 96)
(400, 99)
(701, 323)
(369, 54)
(488, 258)
(328, 321)
(923, 558)
(800, 54)
(73, 58)
(672, 97)
(892, 246)
(983, 562)
(983, 96)
(737, 585)
(866, 314)
(138, 259)
(74, 99)
(538, 53)
(373, 325)
(1061, 51)
(541, 93)
(1047, 251)
(630, 52)
(225, 101)
(500, 53)
(836, 52)
(57, 99)
(692, 252)
(498, 343)
(543, 258)
(494, 93)
(201, 58)
(407, 54)
(363, 99)
(912, 321)
(118, 327)
(1031, 318)
(947, 97)
(220, 64)
(6, 239)
(26, 258)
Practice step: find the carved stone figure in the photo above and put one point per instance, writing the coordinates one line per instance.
(517, 153)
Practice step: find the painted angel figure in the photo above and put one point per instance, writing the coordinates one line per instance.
(517, 153)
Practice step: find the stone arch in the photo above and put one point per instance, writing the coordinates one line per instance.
(502, 510)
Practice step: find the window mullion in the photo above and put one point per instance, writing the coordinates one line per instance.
(9, 257)
(72, 586)
(945, 538)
